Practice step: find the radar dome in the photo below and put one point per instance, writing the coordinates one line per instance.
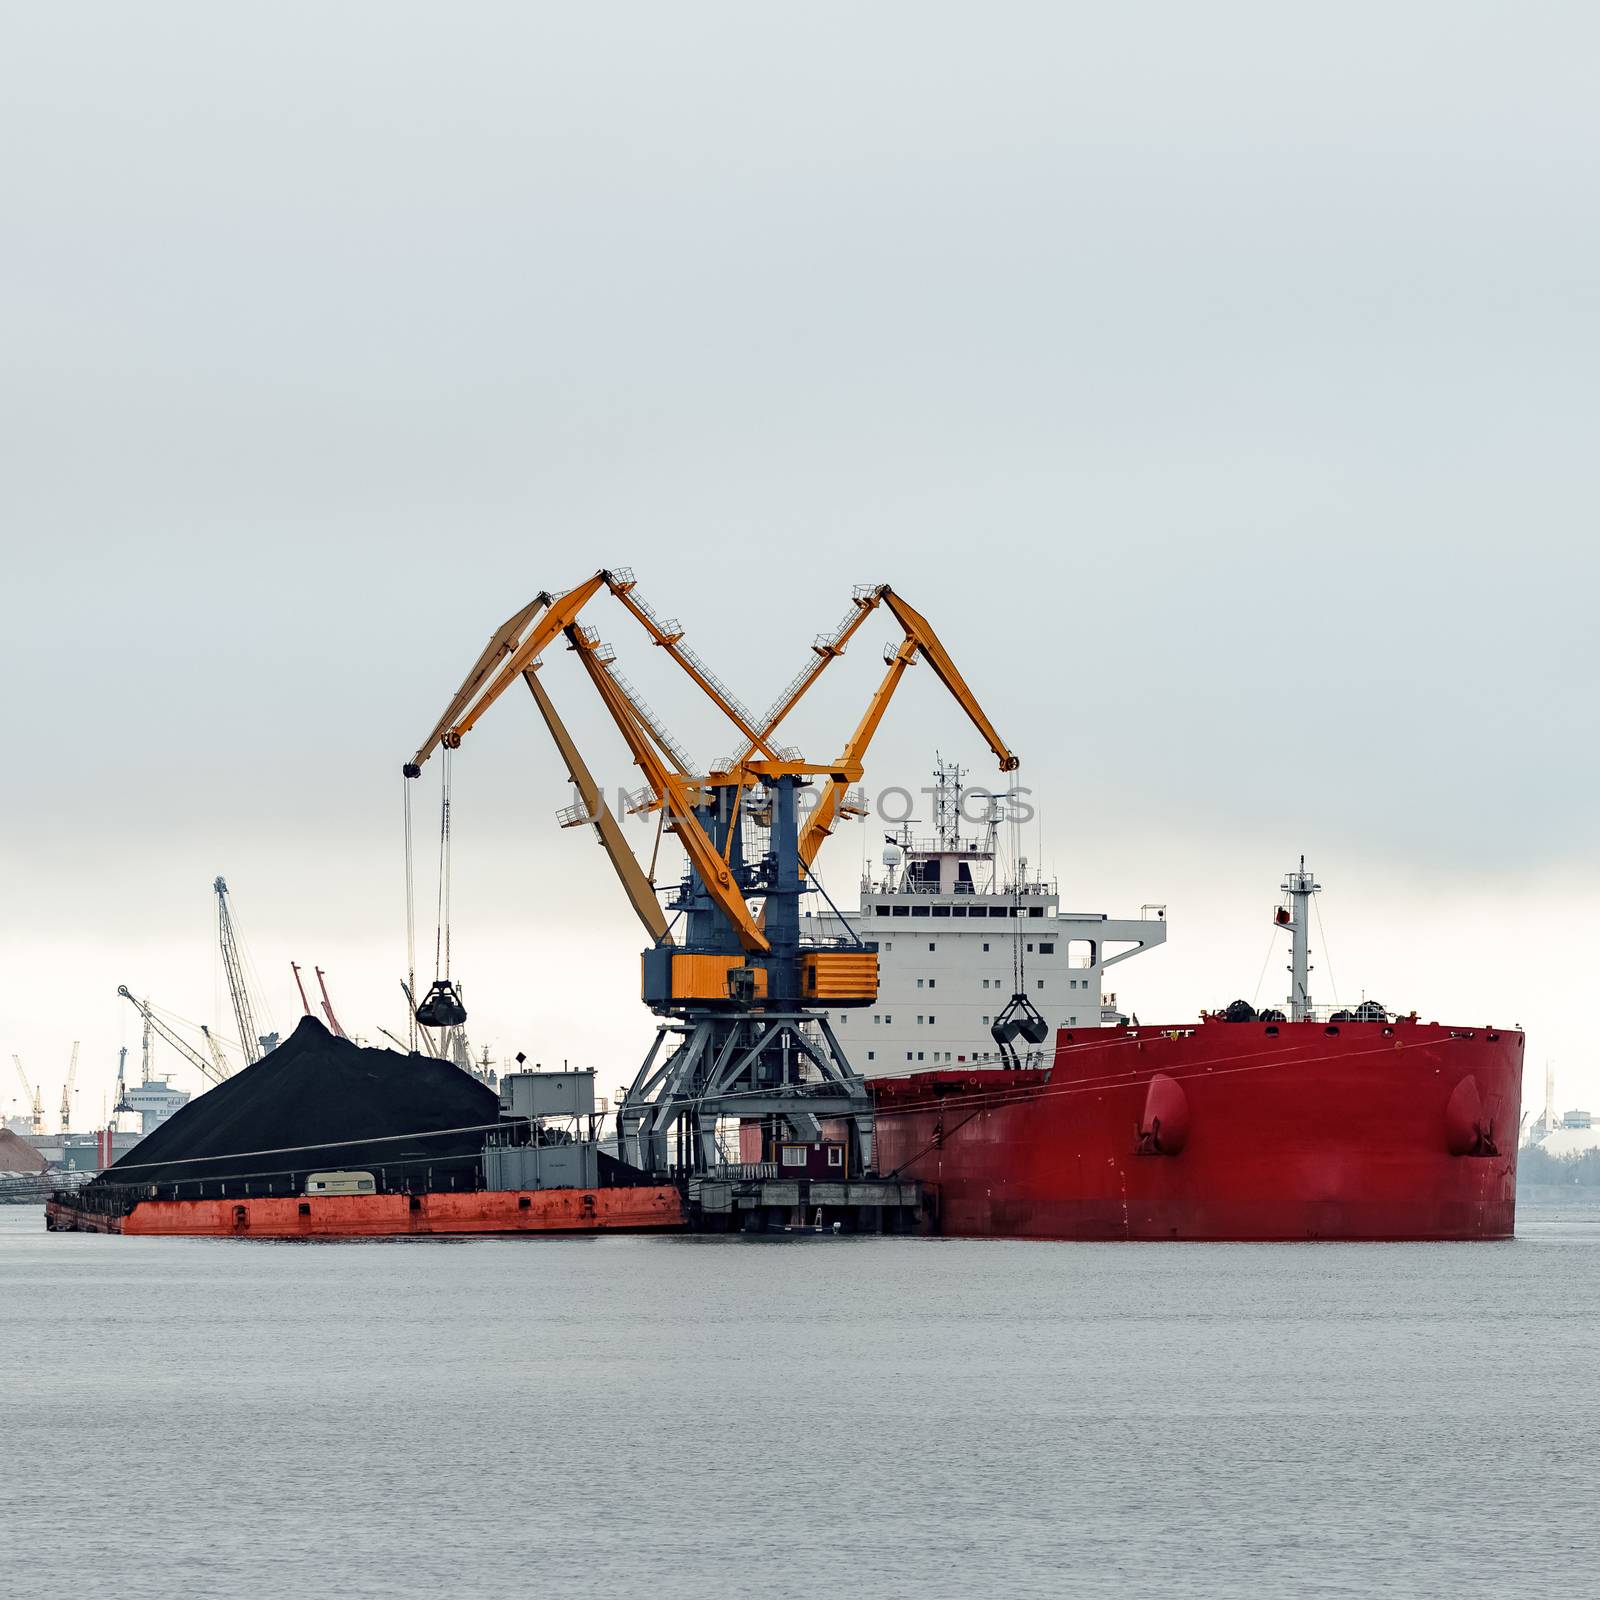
(891, 855)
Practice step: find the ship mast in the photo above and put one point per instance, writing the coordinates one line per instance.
(1299, 887)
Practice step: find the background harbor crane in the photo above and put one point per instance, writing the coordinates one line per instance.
(67, 1088)
(213, 1070)
(33, 1106)
(254, 1043)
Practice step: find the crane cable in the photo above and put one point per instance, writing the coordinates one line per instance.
(441, 937)
(1018, 965)
(411, 915)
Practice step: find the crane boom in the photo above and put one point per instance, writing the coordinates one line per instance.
(243, 1011)
(934, 653)
(459, 720)
(502, 643)
(218, 1060)
(826, 647)
(31, 1100)
(211, 1071)
(820, 823)
(638, 888)
(920, 639)
(673, 795)
(327, 1006)
(67, 1088)
(669, 636)
(512, 651)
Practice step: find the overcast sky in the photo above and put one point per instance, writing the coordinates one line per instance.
(1219, 380)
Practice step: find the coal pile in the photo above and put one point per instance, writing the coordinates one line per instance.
(318, 1103)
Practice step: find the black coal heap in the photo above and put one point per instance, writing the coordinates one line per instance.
(317, 1090)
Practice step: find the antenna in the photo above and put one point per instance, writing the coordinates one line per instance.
(1299, 887)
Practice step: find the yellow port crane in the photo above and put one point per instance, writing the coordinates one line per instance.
(32, 1103)
(67, 1087)
(740, 988)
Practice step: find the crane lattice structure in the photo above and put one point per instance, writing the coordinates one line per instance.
(213, 1068)
(254, 1044)
(30, 1098)
(746, 1033)
(67, 1087)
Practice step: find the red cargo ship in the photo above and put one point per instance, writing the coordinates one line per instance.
(1222, 1130)
(1304, 1123)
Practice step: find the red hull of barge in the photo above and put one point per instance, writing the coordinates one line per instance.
(1379, 1131)
(381, 1216)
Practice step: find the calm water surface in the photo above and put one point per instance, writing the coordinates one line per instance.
(674, 1417)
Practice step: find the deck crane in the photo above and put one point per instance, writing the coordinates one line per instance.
(254, 1044)
(212, 1070)
(31, 1101)
(67, 1088)
(740, 991)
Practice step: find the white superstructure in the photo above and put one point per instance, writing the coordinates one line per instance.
(155, 1100)
(952, 932)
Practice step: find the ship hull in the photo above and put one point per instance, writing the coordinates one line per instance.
(1222, 1131)
(379, 1216)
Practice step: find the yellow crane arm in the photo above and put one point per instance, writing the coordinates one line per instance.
(641, 895)
(919, 639)
(927, 641)
(503, 643)
(673, 795)
(820, 823)
(827, 647)
(670, 638)
(562, 611)
(559, 611)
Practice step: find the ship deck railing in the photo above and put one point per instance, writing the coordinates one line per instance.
(962, 891)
